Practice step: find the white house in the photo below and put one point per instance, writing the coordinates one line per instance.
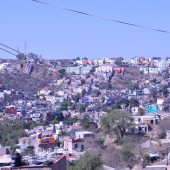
(50, 98)
(8, 92)
(133, 61)
(141, 128)
(98, 61)
(146, 91)
(104, 68)
(150, 70)
(44, 92)
(146, 119)
(78, 90)
(162, 65)
(61, 93)
(135, 110)
(160, 100)
(84, 135)
(59, 82)
(81, 69)
(1, 95)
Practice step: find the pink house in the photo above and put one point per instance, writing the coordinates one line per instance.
(71, 144)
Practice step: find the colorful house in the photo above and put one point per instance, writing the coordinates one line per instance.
(71, 144)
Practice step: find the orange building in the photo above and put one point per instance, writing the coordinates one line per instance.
(84, 62)
(142, 61)
(47, 140)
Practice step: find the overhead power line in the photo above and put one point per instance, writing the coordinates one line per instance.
(99, 17)
(7, 51)
(11, 48)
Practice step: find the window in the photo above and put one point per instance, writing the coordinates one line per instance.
(76, 146)
(86, 135)
(82, 147)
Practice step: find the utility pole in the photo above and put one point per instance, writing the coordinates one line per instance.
(25, 47)
(167, 155)
(18, 49)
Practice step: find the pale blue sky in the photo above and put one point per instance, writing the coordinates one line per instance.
(54, 33)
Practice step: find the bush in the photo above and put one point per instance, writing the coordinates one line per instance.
(70, 121)
(85, 122)
(10, 131)
(146, 160)
(162, 135)
(29, 151)
(127, 152)
(99, 141)
(87, 162)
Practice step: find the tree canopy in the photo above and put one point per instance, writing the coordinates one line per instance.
(85, 122)
(116, 122)
(165, 125)
(10, 131)
(87, 162)
(62, 72)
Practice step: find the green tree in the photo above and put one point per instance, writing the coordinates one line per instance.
(92, 70)
(64, 105)
(33, 56)
(7, 98)
(13, 148)
(30, 124)
(141, 111)
(62, 72)
(85, 122)
(84, 58)
(164, 90)
(97, 92)
(28, 151)
(87, 162)
(70, 121)
(115, 107)
(82, 108)
(115, 123)
(133, 86)
(21, 56)
(13, 131)
(146, 160)
(83, 81)
(119, 61)
(77, 58)
(166, 104)
(83, 92)
(153, 93)
(133, 102)
(76, 97)
(128, 155)
(164, 125)
(59, 116)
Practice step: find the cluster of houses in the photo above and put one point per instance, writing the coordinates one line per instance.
(87, 88)
(49, 143)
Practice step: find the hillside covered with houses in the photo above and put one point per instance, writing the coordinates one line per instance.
(108, 113)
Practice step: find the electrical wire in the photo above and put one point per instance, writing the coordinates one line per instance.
(101, 18)
(11, 48)
(7, 51)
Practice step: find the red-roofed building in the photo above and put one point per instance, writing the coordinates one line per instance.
(10, 111)
(75, 128)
